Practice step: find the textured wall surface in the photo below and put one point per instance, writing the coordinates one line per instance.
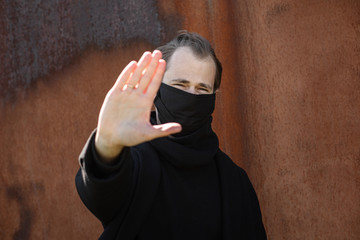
(43, 36)
(300, 72)
(288, 109)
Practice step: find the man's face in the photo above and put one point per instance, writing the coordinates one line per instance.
(189, 73)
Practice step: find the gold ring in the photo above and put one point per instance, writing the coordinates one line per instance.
(130, 86)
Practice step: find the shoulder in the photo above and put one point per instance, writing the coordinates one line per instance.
(224, 160)
(225, 163)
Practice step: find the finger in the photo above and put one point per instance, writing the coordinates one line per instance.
(142, 64)
(150, 70)
(164, 130)
(124, 75)
(154, 85)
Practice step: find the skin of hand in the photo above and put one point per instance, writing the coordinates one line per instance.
(124, 118)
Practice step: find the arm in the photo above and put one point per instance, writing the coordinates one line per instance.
(257, 227)
(104, 189)
(107, 169)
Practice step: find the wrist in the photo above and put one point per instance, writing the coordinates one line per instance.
(106, 151)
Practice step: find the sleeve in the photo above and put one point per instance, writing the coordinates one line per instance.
(104, 189)
(257, 226)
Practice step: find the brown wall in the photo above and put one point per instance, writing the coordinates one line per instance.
(288, 110)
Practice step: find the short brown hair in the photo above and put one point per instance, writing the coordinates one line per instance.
(198, 44)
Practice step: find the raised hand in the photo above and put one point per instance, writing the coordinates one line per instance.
(125, 113)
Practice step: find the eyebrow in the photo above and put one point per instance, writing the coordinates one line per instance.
(180, 80)
(184, 81)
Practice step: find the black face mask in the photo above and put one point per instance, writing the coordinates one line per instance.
(190, 110)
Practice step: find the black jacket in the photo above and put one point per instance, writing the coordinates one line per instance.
(153, 191)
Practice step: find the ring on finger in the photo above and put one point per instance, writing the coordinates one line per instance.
(130, 86)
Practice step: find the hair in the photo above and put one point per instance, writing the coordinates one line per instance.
(200, 47)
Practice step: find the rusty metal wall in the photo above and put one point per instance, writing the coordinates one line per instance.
(288, 110)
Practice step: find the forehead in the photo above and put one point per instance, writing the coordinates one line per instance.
(184, 64)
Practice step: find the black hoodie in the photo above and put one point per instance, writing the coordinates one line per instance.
(170, 188)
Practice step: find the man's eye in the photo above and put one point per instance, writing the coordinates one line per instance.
(204, 89)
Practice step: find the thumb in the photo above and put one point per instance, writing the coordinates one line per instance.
(163, 130)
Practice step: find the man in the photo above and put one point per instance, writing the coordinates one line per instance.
(161, 174)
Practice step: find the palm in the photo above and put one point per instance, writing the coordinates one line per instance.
(125, 114)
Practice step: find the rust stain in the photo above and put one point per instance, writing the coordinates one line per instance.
(38, 37)
(24, 229)
(276, 10)
(26, 214)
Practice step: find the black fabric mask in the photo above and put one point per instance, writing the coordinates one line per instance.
(190, 110)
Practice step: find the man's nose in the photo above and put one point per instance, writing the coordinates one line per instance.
(192, 90)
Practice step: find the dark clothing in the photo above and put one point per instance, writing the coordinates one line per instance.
(169, 189)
